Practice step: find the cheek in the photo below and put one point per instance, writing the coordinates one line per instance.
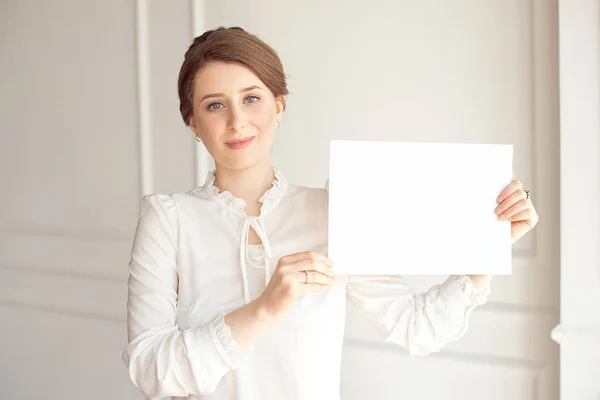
(210, 124)
(262, 117)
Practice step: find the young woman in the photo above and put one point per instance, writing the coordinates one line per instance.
(231, 293)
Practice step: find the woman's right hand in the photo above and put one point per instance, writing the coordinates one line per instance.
(295, 275)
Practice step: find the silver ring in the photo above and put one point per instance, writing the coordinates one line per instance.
(305, 277)
(527, 194)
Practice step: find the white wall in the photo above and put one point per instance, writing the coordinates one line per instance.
(579, 329)
(71, 182)
(89, 122)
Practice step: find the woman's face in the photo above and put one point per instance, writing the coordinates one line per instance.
(231, 104)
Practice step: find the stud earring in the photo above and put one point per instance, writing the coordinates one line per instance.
(278, 123)
(198, 139)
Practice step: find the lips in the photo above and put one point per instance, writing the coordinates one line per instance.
(238, 144)
(240, 140)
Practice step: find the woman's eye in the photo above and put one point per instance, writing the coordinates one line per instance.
(214, 106)
(252, 99)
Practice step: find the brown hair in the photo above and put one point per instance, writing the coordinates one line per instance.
(230, 45)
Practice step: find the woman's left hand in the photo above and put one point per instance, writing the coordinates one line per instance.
(515, 206)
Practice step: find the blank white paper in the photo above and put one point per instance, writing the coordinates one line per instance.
(418, 208)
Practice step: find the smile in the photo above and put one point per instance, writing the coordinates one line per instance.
(239, 144)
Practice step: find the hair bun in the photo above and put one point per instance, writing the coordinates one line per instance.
(199, 40)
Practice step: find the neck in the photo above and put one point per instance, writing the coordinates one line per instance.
(248, 184)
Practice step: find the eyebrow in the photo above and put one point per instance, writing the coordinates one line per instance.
(249, 88)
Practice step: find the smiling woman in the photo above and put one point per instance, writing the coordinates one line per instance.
(243, 112)
(232, 89)
(231, 292)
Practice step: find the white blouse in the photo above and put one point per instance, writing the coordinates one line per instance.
(191, 264)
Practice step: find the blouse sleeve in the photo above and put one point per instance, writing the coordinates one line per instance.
(162, 359)
(420, 322)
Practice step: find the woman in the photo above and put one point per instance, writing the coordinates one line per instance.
(231, 294)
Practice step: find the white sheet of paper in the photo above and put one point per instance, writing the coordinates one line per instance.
(399, 208)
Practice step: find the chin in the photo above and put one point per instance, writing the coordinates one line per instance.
(242, 161)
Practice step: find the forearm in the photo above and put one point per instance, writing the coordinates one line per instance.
(247, 323)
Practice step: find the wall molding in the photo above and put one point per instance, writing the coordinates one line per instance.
(586, 336)
(62, 272)
(532, 252)
(48, 231)
(545, 127)
(579, 331)
(95, 258)
(202, 159)
(496, 307)
(143, 98)
(64, 293)
(58, 311)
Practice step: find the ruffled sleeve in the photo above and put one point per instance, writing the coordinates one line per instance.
(162, 359)
(232, 354)
(421, 322)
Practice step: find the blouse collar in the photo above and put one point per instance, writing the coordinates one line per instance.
(269, 199)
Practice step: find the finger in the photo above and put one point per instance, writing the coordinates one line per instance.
(524, 215)
(508, 190)
(313, 278)
(520, 206)
(307, 255)
(510, 201)
(317, 266)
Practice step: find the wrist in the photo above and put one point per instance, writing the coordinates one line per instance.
(261, 312)
(480, 281)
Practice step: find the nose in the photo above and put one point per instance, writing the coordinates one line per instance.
(237, 119)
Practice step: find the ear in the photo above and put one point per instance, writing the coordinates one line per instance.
(279, 105)
(193, 126)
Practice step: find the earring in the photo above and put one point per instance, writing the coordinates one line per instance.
(198, 139)
(278, 124)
